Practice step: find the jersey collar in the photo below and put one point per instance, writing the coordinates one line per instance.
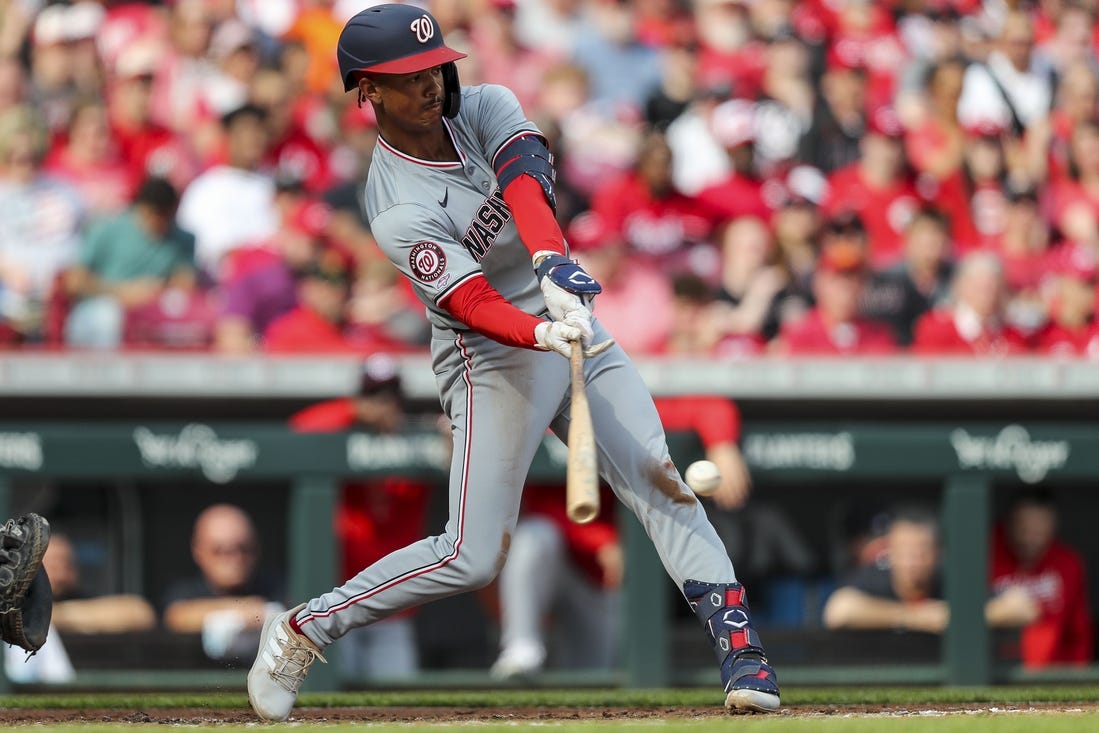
(430, 163)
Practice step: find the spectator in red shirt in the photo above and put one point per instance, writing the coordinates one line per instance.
(260, 281)
(657, 221)
(743, 192)
(1023, 245)
(1072, 330)
(146, 147)
(374, 516)
(1027, 554)
(974, 321)
(317, 323)
(631, 285)
(90, 161)
(878, 188)
(937, 144)
(834, 326)
(1076, 199)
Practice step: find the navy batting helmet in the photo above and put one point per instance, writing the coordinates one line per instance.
(396, 39)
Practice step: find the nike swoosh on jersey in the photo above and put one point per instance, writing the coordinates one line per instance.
(446, 197)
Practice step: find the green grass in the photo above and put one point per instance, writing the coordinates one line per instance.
(1028, 723)
(492, 708)
(685, 697)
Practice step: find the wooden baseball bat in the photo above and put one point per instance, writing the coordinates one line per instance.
(582, 475)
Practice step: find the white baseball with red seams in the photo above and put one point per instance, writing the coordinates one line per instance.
(704, 477)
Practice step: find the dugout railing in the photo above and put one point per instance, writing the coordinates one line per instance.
(966, 459)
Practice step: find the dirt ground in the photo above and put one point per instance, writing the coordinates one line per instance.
(202, 716)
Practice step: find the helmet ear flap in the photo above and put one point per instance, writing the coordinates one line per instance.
(452, 90)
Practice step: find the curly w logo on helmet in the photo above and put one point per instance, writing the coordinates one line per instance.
(423, 28)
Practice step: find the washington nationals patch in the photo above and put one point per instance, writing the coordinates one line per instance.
(427, 261)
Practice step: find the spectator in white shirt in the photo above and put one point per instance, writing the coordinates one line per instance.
(232, 204)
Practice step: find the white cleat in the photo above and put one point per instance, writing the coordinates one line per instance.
(751, 701)
(283, 660)
(519, 659)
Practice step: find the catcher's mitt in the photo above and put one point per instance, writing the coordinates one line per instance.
(26, 601)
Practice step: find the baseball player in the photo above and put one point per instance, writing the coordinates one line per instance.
(460, 197)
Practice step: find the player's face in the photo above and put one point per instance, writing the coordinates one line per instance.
(412, 101)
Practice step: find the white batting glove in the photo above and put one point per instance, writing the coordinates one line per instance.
(561, 302)
(556, 336)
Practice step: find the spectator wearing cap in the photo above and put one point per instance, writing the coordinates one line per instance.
(631, 285)
(798, 222)
(64, 61)
(974, 320)
(374, 516)
(879, 188)
(186, 69)
(147, 147)
(1007, 88)
(90, 160)
(235, 54)
(41, 218)
(742, 192)
(658, 222)
(839, 116)
(834, 325)
(232, 204)
(317, 323)
(1071, 299)
(864, 33)
(900, 295)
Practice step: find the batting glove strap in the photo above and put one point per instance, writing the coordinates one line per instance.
(568, 275)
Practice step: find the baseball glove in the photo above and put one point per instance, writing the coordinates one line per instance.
(26, 601)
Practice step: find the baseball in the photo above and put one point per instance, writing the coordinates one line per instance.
(703, 477)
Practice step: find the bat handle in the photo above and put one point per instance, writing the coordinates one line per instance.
(576, 365)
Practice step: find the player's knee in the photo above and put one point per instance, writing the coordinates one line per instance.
(481, 572)
(482, 564)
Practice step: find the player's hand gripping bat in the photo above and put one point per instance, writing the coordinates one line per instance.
(582, 476)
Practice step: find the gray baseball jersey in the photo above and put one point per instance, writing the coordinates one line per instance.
(442, 224)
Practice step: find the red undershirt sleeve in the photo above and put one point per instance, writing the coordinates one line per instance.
(481, 307)
(533, 216)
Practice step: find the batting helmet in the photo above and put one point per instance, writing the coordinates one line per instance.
(397, 39)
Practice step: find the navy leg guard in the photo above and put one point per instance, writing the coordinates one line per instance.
(749, 681)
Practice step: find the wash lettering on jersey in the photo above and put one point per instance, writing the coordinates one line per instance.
(491, 217)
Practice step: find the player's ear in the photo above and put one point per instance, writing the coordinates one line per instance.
(368, 89)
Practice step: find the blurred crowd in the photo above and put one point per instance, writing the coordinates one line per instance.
(743, 176)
